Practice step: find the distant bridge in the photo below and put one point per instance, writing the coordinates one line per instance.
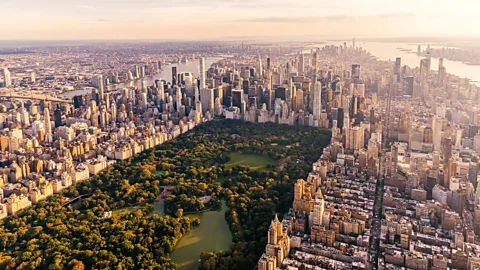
(14, 95)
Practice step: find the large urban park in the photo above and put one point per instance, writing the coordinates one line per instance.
(201, 201)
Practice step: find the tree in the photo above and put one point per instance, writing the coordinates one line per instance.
(179, 213)
(76, 265)
(48, 234)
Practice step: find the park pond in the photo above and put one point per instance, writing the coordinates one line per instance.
(213, 234)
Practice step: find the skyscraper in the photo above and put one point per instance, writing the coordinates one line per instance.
(429, 61)
(113, 111)
(318, 208)
(314, 79)
(437, 125)
(174, 75)
(441, 73)
(160, 90)
(299, 102)
(281, 93)
(93, 119)
(409, 85)
(202, 73)
(269, 75)
(136, 71)
(268, 64)
(101, 92)
(207, 98)
(47, 124)
(301, 64)
(188, 80)
(58, 117)
(260, 67)
(196, 93)
(355, 72)
(178, 98)
(317, 101)
(144, 86)
(237, 97)
(144, 101)
(398, 66)
(7, 78)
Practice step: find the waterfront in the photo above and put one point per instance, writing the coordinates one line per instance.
(389, 51)
(213, 234)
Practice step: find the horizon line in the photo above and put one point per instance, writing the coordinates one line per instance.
(358, 37)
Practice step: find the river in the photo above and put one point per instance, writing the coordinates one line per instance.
(213, 234)
(387, 51)
(165, 74)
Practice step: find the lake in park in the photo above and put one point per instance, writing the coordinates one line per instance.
(213, 234)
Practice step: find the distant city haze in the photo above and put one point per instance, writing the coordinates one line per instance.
(210, 19)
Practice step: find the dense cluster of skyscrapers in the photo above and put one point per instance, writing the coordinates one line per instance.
(396, 188)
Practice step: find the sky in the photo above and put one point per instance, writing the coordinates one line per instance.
(213, 19)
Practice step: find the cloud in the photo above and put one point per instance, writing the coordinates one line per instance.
(312, 19)
(396, 15)
(234, 4)
(91, 8)
(118, 21)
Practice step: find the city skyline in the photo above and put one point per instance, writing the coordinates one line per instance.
(240, 134)
(189, 20)
(381, 158)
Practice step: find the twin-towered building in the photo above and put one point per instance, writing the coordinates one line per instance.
(278, 246)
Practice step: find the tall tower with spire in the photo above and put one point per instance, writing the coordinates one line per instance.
(278, 245)
(272, 234)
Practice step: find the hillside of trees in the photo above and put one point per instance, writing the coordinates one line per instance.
(51, 236)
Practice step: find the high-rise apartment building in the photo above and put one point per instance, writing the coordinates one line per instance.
(207, 98)
(317, 101)
(203, 74)
(47, 125)
(7, 78)
(301, 64)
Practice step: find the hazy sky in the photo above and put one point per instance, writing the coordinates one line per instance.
(208, 19)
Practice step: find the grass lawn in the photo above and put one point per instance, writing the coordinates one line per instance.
(125, 210)
(255, 162)
(223, 178)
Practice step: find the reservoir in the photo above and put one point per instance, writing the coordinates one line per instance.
(213, 234)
